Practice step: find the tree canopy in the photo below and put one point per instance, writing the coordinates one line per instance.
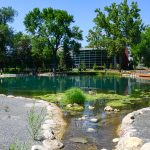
(54, 28)
(7, 15)
(118, 27)
(141, 51)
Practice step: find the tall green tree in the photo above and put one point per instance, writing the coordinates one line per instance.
(141, 51)
(7, 15)
(118, 27)
(21, 53)
(55, 27)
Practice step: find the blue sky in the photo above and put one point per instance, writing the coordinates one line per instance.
(82, 10)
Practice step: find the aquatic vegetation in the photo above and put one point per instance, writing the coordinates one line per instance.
(74, 95)
(115, 100)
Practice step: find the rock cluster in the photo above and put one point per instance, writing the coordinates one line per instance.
(110, 109)
(131, 137)
(52, 129)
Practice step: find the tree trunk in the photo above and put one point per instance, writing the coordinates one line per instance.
(54, 62)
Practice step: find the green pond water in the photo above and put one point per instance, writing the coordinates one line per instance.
(105, 129)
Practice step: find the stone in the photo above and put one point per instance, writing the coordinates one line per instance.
(108, 108)
(75, 105)
(115, 140)
(38, 147)
(48, 134)
(45, 126)
(130, 143)
(52, 144)
(11, 96)
(79, 140)
(69, 105)
(91, 130)
(95, 120)
(146, 146)
(91, 107)
(127, 119)
(116, 110)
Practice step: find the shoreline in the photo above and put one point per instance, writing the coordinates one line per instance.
(134, 131)
(53, 126)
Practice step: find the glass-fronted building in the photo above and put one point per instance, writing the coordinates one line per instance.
(91, 56)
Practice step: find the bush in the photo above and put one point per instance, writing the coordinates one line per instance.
(74, 95)
(110, 66)
(95, 67)
(34, 122)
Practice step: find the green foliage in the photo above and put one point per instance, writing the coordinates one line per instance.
(82, 67)
(95, 67)
(110, 66)
(105, 66)
(7, 15)
(118, 66)
(18, 146)
(116, 28)
(141, 51)
(34, 122)
(74, 95)
(55, 28)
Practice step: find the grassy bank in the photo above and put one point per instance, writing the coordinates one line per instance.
(114, 100)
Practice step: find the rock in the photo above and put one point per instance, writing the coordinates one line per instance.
(46, 126)
(130, 143)
(52, 144)
(91, 107)
(116, 110)
(48, 134)
(49, 121)
(108, 108)
(79, 140)
(38, 147)
(115, 140)
(69, 105)
(127, 119)
(11, 96)
(75, 105)
(103, 149)
(146, 146)
(95, 120)
(91, 130)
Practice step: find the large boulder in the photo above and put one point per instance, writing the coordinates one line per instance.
(146, 146)
(130, 143)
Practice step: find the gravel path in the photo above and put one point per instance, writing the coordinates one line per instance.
(13, 119)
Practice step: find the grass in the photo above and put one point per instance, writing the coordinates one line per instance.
(111, 99)
(35, 121)
(74, 95)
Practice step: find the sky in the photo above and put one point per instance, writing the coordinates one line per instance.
(82, 10)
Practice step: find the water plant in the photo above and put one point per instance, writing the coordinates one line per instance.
(35, 120)
(74, 95)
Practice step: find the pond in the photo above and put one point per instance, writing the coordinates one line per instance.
(79, 123)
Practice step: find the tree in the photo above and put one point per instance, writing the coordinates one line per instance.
(141, 51)
(118, 27)
(7, 15)
(22, 50)
(55, 27)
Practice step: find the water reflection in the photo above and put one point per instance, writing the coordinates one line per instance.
(42, 85)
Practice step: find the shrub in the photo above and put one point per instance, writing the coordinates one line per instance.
(34, 122)
(95, 67)
(110, 66)
(74, 95)
(18, 146)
